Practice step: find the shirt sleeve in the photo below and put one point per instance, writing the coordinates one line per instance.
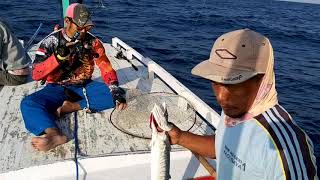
(289, 151)
(291, 163)
(273, 163)
(12, 54)
(108, 74)
(45, 61)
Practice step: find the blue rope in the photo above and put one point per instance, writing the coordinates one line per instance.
(76, 144)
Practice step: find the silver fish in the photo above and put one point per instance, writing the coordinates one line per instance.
(160, 145)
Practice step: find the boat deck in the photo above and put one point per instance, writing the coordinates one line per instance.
(97, 135)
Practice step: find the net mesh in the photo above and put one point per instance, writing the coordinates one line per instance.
(134, 120)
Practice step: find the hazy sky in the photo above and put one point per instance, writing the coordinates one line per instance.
(305, 1)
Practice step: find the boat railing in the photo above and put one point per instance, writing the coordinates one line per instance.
(200, 106)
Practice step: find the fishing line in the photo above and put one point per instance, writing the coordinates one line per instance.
(144, 94)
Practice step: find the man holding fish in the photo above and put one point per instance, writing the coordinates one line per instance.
(256, 137)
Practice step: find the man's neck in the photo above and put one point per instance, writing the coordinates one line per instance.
(67, 34)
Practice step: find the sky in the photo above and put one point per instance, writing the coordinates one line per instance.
(305, 1)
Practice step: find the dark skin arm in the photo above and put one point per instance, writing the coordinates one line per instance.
(205, 145)
(202, 145)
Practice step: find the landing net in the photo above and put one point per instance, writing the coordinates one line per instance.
(134, 120)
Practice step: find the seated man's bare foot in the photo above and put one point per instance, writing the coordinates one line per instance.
(67, 107)
(48, 141)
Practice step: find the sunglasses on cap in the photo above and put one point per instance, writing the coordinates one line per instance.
(79, 28)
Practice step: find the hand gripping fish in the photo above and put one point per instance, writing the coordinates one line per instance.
(160, 145)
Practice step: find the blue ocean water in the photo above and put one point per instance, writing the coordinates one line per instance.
(178, 34)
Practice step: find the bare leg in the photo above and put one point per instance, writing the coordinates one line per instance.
(67, 107)
(50, 140)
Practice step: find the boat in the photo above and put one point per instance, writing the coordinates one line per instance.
(110, 144)
(106, 152)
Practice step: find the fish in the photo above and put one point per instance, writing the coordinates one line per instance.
(160, 144)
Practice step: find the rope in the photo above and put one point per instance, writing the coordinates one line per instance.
(87, 100)
(76, 144)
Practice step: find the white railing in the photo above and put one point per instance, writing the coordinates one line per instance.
(155, 69)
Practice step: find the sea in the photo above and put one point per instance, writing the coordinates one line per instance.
(178, 34)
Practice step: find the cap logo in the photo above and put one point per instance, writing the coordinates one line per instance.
(225, 54)
(83, 14)
(237, 78)
(83, 17)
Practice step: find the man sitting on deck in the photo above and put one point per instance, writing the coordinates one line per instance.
(256, 137)
(65, 61)
(14, 61)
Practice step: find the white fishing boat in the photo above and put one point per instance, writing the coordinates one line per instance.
(112, 144)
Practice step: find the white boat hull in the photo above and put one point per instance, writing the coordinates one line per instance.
(125, 167)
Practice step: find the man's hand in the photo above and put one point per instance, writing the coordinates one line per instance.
(203, 145)
(118, 95)
(174, 134)
(160, 114)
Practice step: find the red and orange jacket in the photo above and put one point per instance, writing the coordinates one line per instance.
(46, 66)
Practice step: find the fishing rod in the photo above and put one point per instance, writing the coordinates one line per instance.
(121, 56)
(28, 46)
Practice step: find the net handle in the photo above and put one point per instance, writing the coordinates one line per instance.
(204, 162)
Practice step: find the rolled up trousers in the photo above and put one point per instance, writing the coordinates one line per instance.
(38, 109)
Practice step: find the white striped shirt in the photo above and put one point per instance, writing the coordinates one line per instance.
(270, 146)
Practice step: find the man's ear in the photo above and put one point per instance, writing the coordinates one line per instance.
(66, 21)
